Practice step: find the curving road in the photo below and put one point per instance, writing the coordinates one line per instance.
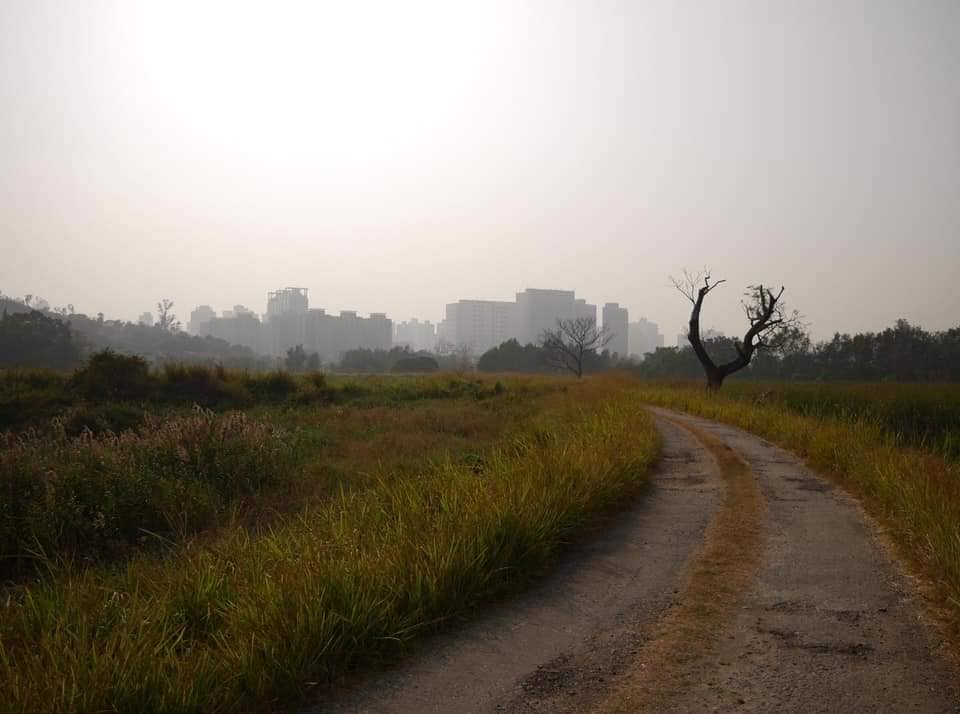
(825, 623)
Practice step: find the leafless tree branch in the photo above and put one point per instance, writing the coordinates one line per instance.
(569, 343)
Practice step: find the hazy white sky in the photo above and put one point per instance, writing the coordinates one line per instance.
(397, 156)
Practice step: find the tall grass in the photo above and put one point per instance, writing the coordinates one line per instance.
(249, 622)
(915, 493)
(87, 495)
(926, 416)
(112, 391)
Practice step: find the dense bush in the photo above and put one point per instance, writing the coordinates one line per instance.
(418, 363)
(110, 376)
(270, 386)
(206, 386)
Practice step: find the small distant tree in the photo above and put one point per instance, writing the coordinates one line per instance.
(573, 342)
(296, 359)
(765, 313)
(464, 358)
(166, 320)
(313, 362)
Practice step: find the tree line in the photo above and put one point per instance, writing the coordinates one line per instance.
(32, 335)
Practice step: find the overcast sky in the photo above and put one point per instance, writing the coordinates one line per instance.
(396, 156)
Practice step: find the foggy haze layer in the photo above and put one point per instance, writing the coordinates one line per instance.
(399, 156)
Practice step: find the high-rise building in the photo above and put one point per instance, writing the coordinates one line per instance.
(200, 317)
(238, 327)
(147, 319)
(290, 322)
(538, 311)
(416, 335)
(616, 323)
(288, 301)
(644, 338)
(478, 324)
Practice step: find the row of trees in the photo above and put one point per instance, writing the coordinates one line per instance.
(903, 352)
(33, 335)
(33, 339)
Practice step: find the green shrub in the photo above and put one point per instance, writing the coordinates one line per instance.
(109, 376)
(418, 363)
(203, 385)
(271, 386)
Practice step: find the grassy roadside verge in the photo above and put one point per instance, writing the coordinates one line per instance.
(246, 623)
(914, 493)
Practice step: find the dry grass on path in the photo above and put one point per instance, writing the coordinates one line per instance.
(716, 582)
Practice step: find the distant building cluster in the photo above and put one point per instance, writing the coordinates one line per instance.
(290, 321)
(416, 335)
(644, 338)
(482, 324)
(476, 325)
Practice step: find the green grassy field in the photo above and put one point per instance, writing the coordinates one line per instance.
(203, 540)
(235, 559)
(922, 415)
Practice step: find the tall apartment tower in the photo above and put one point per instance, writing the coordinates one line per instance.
(645, 338)
(478, 324)
(289, 301)
(617, 324)
(538, 311)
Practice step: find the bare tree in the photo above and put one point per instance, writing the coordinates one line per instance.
(166, 320)
(463, 358)
(765, 313)
(569, 344)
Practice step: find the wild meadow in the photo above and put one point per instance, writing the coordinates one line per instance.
(199, 539)
(241, 540)
(893, 445)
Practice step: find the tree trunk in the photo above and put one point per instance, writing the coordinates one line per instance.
(714, 380)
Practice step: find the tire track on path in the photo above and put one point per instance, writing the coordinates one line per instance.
(830, 623)
(715, 585)
(564, 641)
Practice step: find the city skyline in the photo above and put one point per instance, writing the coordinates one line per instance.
(477, 325)
(451, 149)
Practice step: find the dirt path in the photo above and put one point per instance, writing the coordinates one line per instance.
(824, 622)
